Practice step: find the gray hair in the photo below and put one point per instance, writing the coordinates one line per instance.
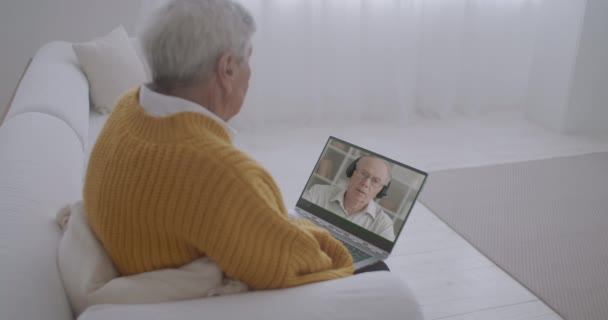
(184, 39)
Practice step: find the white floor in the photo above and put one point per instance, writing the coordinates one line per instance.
(450, 279)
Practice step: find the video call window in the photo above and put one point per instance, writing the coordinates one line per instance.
(332, 168)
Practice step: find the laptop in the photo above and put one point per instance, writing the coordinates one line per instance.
(361, 197)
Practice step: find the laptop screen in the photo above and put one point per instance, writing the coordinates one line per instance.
(361, 192)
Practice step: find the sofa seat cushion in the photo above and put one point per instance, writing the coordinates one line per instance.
(381, 294)
(40, 170)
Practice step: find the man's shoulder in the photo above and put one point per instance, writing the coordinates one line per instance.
(321, 193)
(326, 190)
(226, 156)
(322, 187)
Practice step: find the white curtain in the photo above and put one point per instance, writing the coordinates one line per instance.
(385, 60)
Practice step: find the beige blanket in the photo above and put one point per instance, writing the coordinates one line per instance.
(90, 278)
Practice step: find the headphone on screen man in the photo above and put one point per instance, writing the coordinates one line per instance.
(351, 169)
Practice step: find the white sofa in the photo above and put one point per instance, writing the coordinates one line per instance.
(44, 142)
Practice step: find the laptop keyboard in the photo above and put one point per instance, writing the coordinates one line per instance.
(357, 253)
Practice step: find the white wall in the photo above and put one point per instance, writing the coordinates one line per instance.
(588, 111)
(25, 25)
(554, 60)
(568, 88)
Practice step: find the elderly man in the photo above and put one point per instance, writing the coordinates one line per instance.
(369, 177)
(165, 185)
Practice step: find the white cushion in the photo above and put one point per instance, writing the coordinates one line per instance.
(89, 277)
(112, 67)
(374, 295)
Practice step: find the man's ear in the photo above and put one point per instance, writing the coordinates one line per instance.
(225, 71)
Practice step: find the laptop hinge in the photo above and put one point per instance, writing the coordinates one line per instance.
(367, 245)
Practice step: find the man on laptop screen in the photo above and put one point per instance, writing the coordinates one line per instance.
(368, 179)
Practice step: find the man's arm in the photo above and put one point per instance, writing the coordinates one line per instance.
(251, 240)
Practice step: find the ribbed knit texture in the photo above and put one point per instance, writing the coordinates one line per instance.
(161, 192)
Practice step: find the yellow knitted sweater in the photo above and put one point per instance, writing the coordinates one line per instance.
(161, 192)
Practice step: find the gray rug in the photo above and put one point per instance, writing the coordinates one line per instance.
(544, 222)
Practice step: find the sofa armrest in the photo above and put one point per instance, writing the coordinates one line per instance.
(54, 84)
(374, 295)
(40, 172)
